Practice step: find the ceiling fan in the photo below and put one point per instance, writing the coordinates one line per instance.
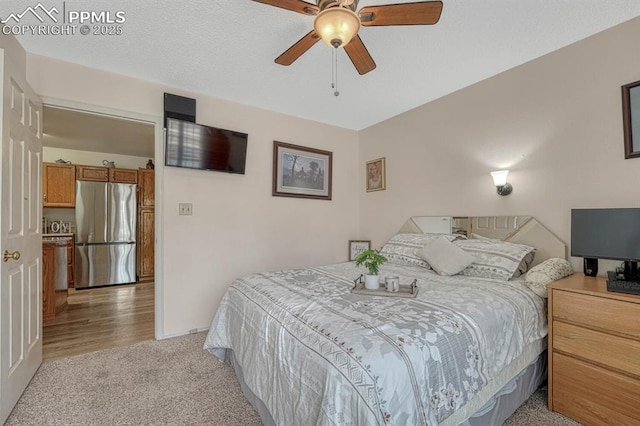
(337, 24)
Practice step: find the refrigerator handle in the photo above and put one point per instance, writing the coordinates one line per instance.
(108, 192)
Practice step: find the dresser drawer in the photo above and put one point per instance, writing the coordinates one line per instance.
(613, 351)
(598, 312)
(593, 395)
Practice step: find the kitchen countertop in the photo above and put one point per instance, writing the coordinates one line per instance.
(57, 242)
(57, 239)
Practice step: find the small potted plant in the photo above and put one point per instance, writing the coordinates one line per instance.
(371, 260)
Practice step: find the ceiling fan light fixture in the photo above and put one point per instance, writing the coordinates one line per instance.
(337, 26)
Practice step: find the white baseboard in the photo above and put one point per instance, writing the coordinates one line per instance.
(183, 333)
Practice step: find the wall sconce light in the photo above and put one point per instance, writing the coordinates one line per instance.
(500, 180)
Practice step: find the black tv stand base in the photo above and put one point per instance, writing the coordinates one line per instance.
(619, 284)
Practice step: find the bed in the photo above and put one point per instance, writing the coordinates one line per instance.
(467, 350)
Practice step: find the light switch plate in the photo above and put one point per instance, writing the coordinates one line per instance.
(185, 209)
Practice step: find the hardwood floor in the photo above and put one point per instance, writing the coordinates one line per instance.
(100, 318)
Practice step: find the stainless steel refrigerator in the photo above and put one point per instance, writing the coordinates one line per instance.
(105, 234)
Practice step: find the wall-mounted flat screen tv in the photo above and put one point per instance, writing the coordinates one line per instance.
(195, 146)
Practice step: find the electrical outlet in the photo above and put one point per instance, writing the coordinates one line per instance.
(185, 209)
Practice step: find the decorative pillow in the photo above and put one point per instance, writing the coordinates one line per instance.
(402, 249)
(497, 260)
(444, 257)
(525, 263)
(545, 273)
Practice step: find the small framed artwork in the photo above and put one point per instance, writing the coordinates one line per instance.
(358, 246)
(375, 175)
(301, 172)
(631, 119)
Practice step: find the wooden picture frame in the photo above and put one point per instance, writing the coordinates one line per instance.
(375, 175)
(301, 172)
(358, 246)
(631, 119)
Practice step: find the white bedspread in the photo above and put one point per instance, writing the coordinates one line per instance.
(316, 354)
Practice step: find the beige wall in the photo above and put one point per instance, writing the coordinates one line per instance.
(237, 227)
(555, 122)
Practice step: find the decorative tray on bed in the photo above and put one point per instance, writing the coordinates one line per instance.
(406, 290)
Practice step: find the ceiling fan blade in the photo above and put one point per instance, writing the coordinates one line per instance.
(360, 56)
(421, 13)
(294, 5)
(300, 47)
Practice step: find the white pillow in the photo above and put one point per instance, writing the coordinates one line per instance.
(444, 257)
(495, 259)
(553, 269)
(402, 249)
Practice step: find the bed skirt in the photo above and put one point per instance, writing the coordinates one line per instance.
(502, 405)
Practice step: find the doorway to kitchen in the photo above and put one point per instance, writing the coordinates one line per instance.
(110, 241)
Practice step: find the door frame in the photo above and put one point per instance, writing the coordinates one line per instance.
(158, 123)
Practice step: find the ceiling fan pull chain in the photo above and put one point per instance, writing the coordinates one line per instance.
(334, 85)
(333, 70)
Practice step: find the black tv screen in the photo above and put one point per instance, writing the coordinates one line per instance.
(195, 146)
(606, 233)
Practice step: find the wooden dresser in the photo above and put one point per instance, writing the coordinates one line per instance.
(594, 352)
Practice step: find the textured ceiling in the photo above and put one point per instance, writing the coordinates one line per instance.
(226, 48)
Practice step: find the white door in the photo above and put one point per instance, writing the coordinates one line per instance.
(20, 233)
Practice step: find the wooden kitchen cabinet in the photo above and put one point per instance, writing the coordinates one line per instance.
(594, 352)
(106, 174)
(146, 223)
(92, 173)
(146, 243)
(54, 300)
(147, 185)
(123, 175)
(70, 259)
(58, 185)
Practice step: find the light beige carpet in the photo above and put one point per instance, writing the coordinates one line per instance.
(534, 413)
(167, 382)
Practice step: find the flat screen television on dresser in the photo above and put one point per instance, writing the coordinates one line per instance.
(608, 234)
